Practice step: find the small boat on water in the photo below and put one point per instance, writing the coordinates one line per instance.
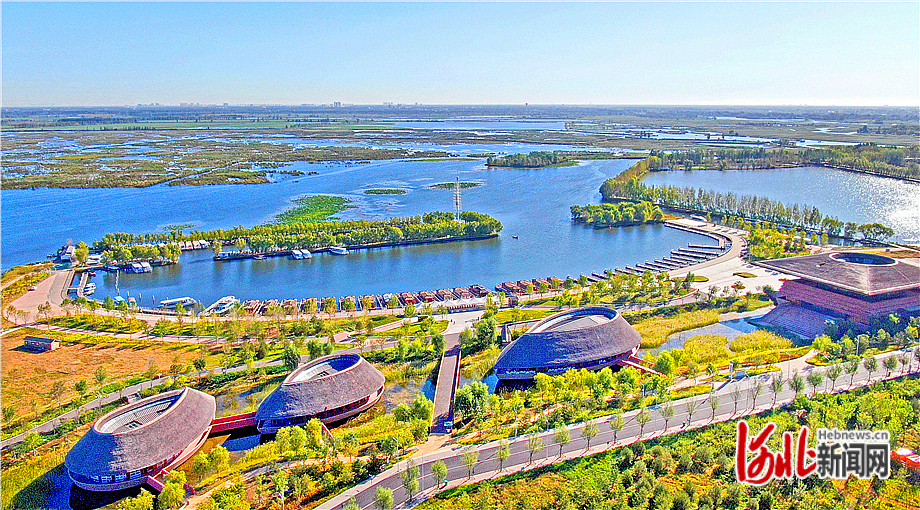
(306, 254)
(514, 237)
(338, 250)
(171, 303)
(89, 289)
(112, 268)
(296, 254)
(259, 257)
(222, 305)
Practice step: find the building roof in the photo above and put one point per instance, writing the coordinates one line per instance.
(862, 273)
(569, 338)
(142, 434)
(40, 340)
(324, 383)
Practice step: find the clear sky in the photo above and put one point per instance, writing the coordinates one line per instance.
(467, 53)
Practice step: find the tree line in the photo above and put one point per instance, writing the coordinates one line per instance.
(532, 160)
(313, 235)
(898, 162)
(614, 215)
(733, 204)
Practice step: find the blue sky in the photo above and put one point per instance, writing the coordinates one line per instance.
(468, 53)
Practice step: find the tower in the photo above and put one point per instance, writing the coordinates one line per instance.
(457, 199)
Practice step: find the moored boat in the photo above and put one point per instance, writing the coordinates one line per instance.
(171, 303)
(338, 250)
(222, 305)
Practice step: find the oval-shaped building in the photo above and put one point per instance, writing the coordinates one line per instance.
(591, 337)
(126, 445)
(330, 388)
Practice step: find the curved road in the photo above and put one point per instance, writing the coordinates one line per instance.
(519, 459)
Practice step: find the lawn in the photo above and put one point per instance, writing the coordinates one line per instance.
(655, 330)
(29, 376)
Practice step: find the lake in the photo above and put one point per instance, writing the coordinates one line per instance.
(849, 196)
(532, 204)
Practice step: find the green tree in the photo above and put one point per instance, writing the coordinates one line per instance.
(409, 478)
(534, 445)
(143, 501)
(439, 473)
(81, 252)
(172, 496)
(562, 438)
(383, 498)
(589, 432)
(218, 459)
(470, 458)
(796, 384)
(871, 364)
(814, 380)
(616, 424)
(503, 452)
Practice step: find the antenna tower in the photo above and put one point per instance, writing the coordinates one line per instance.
(457, 199)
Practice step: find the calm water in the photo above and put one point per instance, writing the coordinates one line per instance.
(532, 204)
(849, 196)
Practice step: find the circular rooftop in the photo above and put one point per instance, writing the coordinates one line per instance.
(319, 388)
(591, 337)
(866, 259)
(143, 434)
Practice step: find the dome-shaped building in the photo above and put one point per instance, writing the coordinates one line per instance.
(331, 388)
(126, 445)
(592, 337)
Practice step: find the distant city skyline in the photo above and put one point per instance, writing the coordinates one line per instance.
(117, 54)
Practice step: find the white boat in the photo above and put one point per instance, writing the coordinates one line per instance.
(222, 305)
(306, 254)
(338, 250)
(296, 254)
(147, 268)
(89, 289)
(171, 303)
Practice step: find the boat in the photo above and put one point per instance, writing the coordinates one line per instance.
(146, 267)
(222, 305)
(338, 250)
(259, 257)
(296, 254)
(171, 303)
(89, 289)
(514, 237)
(306, 254)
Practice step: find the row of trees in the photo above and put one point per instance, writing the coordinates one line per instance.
(899, 162)
(282, 230)
(121, 247)
(612, 215)
(532, 160)
(733, 204)
(142, 252)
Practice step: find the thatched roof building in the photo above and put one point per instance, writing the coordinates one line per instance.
(853, 285)
(139, 439)
(592, 337)
(331, 388)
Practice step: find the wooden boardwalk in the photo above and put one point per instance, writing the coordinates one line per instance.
(448, 377)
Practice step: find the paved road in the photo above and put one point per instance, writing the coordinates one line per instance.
(487, 466)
